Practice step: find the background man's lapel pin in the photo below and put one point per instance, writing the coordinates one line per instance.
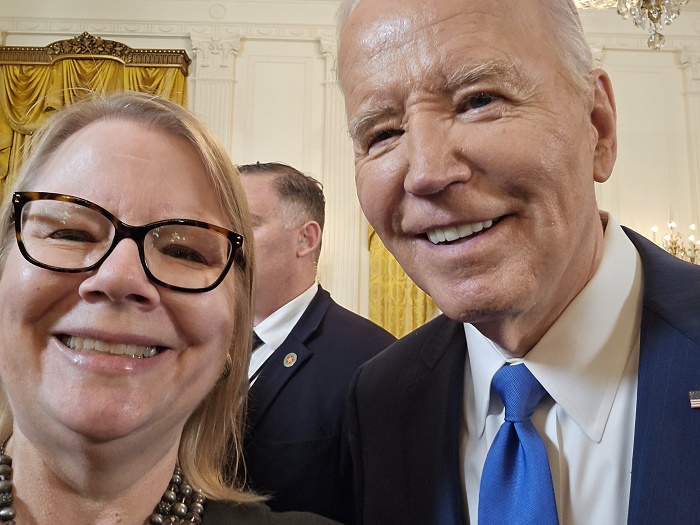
(694, 398)
(291, 358)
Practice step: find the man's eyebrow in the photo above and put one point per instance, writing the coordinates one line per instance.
(503, 70)
(359, 125)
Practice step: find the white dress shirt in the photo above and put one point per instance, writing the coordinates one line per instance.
(275, 328)
(588, 363)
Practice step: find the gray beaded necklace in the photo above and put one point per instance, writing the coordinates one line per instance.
(180, 504)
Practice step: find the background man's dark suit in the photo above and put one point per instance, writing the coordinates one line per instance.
(404, 433)
(295, 413)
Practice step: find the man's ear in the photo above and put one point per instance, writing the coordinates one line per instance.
(604, 122)
(309, 238)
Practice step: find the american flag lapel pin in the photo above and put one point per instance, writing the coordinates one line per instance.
(694, 398)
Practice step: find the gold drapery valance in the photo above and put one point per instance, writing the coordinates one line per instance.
(395, 302)
(36, 81)
(88, 46)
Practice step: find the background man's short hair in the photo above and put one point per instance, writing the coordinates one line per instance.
(303, 192)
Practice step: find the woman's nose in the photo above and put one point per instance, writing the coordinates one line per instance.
(121, 277)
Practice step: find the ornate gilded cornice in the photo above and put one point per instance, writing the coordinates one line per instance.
(89, 46)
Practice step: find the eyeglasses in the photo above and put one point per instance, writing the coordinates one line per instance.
(69, 234)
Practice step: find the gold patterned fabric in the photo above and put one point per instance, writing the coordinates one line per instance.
(395, 302)
(35, 82)
(24, 107)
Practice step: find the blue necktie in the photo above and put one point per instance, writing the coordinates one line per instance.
(516, 484)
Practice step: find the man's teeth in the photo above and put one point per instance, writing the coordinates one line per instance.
(453, 233)
(95, 345)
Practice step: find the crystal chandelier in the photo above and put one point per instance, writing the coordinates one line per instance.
(674, 243)
(652, 14)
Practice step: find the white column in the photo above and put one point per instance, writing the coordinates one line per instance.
(215, 69)
(344, 244)
(690, 58)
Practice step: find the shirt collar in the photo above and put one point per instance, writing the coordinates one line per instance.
(275, 328)
(581, 358)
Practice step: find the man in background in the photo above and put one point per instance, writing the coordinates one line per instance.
(557, 387)
(308, 349)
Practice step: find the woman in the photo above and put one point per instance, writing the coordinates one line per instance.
(124, 349)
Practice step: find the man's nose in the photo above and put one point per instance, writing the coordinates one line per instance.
(437, 155)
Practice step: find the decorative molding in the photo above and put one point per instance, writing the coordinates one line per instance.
(225, 50)
(329, 51)
(597, 46)
(86, 45)
(217, 11)
(327, 46)
(690, 59)
(159, 29)
(624, 41)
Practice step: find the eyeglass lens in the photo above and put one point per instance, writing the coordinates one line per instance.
(71, 236)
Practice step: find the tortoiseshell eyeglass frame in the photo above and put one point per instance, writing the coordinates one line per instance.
(125, 231)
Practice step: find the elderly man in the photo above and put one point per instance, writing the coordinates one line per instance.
(307, 352)
(479, 128)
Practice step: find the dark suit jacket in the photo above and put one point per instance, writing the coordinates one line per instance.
(219, 513)
(293, 448)
(406, 407)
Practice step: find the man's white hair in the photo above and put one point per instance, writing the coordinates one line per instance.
(567, 34)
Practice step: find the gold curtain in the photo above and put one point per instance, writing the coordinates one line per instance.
(24, 107)
(34, 82)
(395, 302)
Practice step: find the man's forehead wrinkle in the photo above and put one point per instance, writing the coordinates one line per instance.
(393, 32)
(420, 36)
(381, 35)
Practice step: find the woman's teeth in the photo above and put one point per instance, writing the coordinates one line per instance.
(84, 344)
(453, 233)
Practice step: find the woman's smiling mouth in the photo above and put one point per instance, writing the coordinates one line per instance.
(87, 345)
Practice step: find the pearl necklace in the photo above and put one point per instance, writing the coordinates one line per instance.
(180, 504)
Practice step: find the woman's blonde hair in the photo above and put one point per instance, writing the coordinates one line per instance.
(211, 446)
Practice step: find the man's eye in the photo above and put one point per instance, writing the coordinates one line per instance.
(384, 135)
(477, 102)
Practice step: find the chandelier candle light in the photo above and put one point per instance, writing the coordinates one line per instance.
(674, 244)
(651, 14)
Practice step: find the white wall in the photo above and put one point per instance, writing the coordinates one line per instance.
(657, 174)
(263, 79)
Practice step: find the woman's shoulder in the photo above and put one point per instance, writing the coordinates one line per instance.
(220, 513)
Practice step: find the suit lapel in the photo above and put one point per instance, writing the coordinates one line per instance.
(433, 417)
(278, 370)
(666, 460)
(287, 360)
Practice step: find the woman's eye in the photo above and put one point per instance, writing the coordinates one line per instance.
(72, 235)
(184, 253)
(477, 101)
(384, 135)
